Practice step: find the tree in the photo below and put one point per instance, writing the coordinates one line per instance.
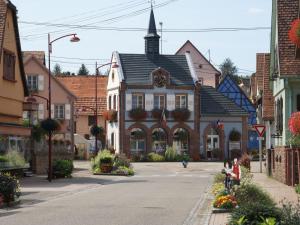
(83, 70)
(228, 68)
(57, 69)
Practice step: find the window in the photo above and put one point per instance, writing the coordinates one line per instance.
(109, 102)
(9, 66)
(115, 102)
(137, 101)
(279, 115)
(32, 82)
(91, 120)
(137, 140)
(298, 102)
(159, 101)
(59, 111)
(112, 140)
(180, 101)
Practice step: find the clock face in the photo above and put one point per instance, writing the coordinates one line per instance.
(159, 80)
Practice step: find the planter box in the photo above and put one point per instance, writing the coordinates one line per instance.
(217, 210)
(106, 167)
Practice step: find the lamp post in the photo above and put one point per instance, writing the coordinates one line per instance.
(114, 65)
(74, 38)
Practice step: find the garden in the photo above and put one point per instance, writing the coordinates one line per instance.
(249, 204)
(107, 163)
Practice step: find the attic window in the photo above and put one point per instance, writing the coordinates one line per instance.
(9, 61)
(188, 52)
(113, 76)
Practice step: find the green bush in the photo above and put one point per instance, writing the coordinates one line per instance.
(153, 157)
(297, 188)
(122, 170)
(170, 154)
(16, 159)
(105, 157)
(246, 176)
(290, 215)
(219, 178)
(249, 193)
(3, 158)
(254, 213)
(9, 187)
(121, 160)
(183, 157)
(63, 168)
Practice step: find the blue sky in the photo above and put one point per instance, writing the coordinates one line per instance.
(240, 46)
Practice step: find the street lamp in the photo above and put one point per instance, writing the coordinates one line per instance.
(114, 65)
(74, 38)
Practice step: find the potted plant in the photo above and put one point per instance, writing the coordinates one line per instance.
(50, 125)
(111, 115)
(106, 161)
(181, 114)
(138, 114)
(96, 130)
(294, 127)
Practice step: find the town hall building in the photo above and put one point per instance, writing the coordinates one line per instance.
(154, 101)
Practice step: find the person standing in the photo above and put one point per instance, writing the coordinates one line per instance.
(236, 170)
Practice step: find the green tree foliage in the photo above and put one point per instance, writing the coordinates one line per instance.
(83, 70)
(57, 70)
(228, 68)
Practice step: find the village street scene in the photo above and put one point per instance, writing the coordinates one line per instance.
(143, 112)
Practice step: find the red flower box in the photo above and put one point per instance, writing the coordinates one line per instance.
(181, 114)
(138, 114)
(294, 32)
(110, 115)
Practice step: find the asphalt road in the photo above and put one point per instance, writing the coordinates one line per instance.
(159, 194)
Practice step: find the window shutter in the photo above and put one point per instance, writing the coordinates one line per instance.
(52, 111)
(41, 83)
(149, 102)
(170, 102)
(67, 111)
(41, 112)
(191, 102)
(128, 102)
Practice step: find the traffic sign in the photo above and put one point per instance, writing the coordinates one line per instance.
(260, 129)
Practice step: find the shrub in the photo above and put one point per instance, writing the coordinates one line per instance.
(234, 135)
(153, 157)
(247, 194)
(16, 159)
(246, 176)
(297, 188)
(105, 157)
(121, 160)
(170, 154)
(219, 178)
(217, 188)
(63, 168)
(9, 188)
(50, 125)
(245, 160)
(254, 213)
(290, 215)
(122, 170)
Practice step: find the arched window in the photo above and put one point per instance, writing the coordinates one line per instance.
(181, 140)
(137, 141)
(159, 140)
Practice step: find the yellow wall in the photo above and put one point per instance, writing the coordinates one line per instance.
(11, 93)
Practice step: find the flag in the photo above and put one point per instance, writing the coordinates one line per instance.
(163, 119)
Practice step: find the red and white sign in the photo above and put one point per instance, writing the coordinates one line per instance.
(260, 129)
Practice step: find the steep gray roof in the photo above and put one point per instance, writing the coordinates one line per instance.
(137, 68)
(215, 103)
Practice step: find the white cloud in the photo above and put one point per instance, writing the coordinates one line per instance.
(255, 11)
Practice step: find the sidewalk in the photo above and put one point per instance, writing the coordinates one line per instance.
(277, 190)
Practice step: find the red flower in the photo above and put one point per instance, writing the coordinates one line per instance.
(294, 33)
(294, 123)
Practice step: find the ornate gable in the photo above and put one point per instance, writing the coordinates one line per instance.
(160, 77)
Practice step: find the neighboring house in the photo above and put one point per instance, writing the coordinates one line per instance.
(206, 73)
(156, 101)
(264, 100)
(62, 100)
(13, 89)
(84, 87)
(245, 85)
(284, 162)
(233, 91)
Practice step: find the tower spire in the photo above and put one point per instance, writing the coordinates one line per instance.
(152, 38)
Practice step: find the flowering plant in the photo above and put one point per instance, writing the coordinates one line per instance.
(217, 188)
(294, 32)
(225, 202)
(294, 123)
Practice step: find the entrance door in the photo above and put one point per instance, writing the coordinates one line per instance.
(213, 142)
